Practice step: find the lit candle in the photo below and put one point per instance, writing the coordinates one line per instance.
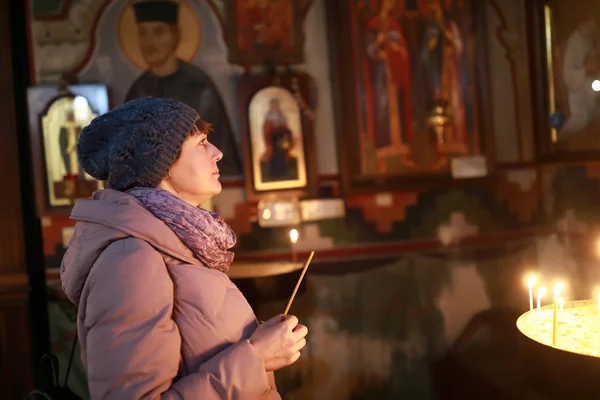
(561, 303)
(530, 284)
(557, 290)
(294, 239)
(598, 322)
(541, 293)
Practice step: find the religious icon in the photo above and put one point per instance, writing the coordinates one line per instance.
(572, 62)
(161, 37)
(408, 92)
(61, 126)
(265, 23)
(57, 116)
(276, 140)
(444, 61)
(265, 31)
(278, 161)
(68, 136)
(388, 83)
(413, 66)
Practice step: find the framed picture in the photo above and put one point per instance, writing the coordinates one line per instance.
(410, 87)
(265, 32)
(277, 135)
(56, 118)
(565, 51)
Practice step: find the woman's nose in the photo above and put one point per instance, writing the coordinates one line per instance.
(217, 154)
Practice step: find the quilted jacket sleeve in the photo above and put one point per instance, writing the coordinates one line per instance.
(133, 345)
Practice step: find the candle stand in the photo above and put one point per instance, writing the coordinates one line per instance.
(571, 369)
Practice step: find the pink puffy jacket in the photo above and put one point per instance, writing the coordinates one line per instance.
(155, 323)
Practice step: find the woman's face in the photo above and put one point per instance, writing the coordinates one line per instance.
(194, 177)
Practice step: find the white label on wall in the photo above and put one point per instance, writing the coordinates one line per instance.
(469, 167)
(316, 209)
(278, 213)
(384, 199)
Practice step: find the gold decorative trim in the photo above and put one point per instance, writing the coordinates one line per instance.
(550, 67)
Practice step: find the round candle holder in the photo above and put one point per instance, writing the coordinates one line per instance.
(571, 368)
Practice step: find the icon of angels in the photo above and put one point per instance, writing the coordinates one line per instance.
(276, 140)
(411, 83)
(415, 76)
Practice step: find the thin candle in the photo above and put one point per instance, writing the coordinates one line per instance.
(541, 293)
(530, 284)
(310, 257)
(598, 322)
(561, 303)
(557, 290)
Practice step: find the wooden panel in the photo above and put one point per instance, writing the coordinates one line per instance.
(11, 235)
(469, 247)
(15, 355)
(15, 377)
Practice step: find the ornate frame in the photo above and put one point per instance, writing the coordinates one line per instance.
(345, 89)
(40, 99)
(542, 64)
(299, 84)
(266, 55)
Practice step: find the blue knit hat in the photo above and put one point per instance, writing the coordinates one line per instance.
(135, 144)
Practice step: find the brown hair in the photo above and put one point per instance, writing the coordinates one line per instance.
(202, 127)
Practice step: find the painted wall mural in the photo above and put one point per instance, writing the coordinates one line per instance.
(146, 48)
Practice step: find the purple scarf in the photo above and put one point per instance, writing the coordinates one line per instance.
(204, 232)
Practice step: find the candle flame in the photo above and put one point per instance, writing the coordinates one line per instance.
(541, 292)
(294, 235)
(558, 288)
(531, 281)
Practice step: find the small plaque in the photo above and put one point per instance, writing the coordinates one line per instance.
(469, 167)
(384, 199)
(316, 209)
(278, 213)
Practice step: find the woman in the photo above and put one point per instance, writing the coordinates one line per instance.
(158, 317)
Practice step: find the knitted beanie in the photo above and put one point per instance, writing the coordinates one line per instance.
(135, 144)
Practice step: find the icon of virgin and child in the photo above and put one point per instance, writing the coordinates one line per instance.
(278, 161)
(167, 75)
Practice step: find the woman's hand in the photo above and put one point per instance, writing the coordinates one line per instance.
(278, 341)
